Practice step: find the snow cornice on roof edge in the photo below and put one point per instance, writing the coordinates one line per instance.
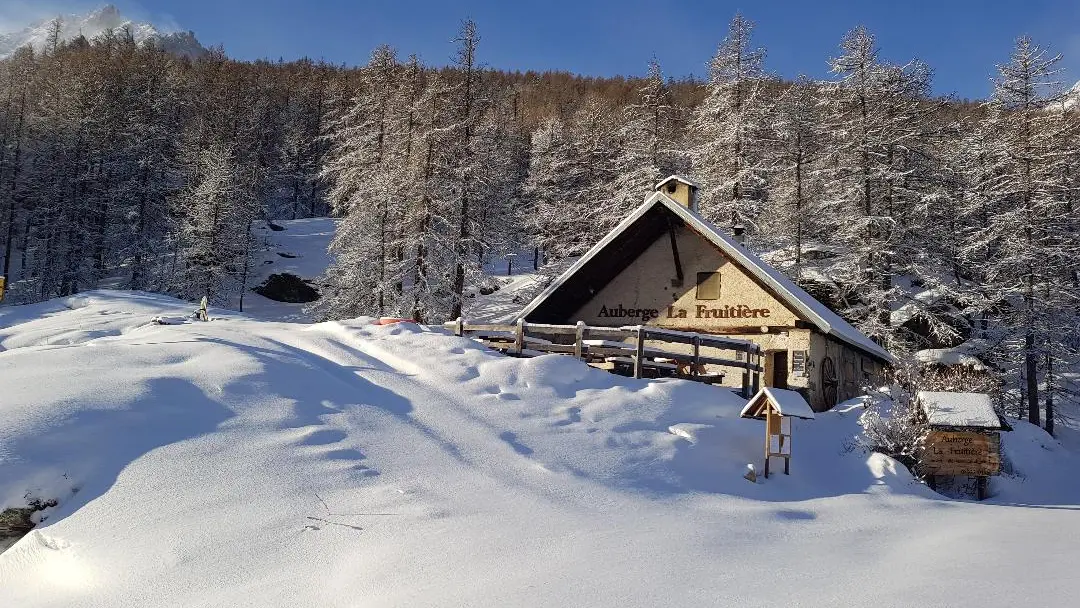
(679, 178)
(785, 289)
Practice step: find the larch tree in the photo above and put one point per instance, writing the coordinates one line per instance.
(648, 145)
(798, 141)
(572, 178)
(1028, 239)
(879, 116)
(728, 130)
(364, 175)
(466, 168)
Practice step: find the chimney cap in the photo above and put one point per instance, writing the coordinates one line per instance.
(679, 178)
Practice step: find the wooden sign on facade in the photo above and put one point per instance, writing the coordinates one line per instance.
(798, 363)
(961, 453)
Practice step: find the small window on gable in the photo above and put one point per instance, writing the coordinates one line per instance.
(708, 286)
(671, 186)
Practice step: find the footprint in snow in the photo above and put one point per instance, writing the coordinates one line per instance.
(323, 437)
(344, 454)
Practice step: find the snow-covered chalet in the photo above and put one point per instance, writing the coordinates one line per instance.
(665, 265)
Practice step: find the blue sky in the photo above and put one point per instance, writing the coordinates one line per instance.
(961, 39)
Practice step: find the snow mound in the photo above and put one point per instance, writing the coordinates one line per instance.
(278, 464)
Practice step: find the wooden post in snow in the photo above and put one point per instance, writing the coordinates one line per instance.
(579, 337)
(639, 353)
(459, 327)
(768, 437)
(765, 404)
(519, 336)
(746, 373)
(694, 365)
(756, 383)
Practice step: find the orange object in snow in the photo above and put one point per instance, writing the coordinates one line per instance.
(391, 321)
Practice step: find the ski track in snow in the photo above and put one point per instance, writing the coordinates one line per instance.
(258, 463)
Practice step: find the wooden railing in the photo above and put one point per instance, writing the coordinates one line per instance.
(633, 347)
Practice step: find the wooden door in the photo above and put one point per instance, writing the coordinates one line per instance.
(779, 369)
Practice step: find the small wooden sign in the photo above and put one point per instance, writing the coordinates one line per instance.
(961, 453)
(798, 362)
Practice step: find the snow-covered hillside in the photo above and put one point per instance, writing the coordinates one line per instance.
(298, 248)
(253, 463)
(94, 24)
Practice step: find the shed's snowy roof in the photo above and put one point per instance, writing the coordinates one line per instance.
(959, 409)
(790, 403)
(791, 294)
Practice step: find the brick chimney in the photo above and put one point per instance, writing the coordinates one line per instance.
(738, 229)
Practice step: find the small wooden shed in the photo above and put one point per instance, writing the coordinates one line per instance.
(777, 407)
(964, 438)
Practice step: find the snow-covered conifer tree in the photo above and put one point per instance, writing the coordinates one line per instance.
(648, 150)
(364, 180)
(1029, 240)
(798, 140)
(729, 131)
(879, 116)
(215, 242)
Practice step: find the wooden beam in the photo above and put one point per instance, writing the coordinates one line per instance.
(739, 330)
(675, 251)
(467, 327)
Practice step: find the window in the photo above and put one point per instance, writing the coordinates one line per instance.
(671, 186)
(708, 286)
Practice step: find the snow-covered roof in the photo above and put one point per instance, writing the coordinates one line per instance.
(678, 178)
(787, 402)
(959, 409)
(791, 294)
(950, 356)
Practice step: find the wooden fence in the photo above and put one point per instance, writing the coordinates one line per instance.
(631, 348)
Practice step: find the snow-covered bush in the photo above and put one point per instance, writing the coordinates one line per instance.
(892, 423)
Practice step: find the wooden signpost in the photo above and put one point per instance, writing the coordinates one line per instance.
(777, 406)
(964, 438)
(961, 453)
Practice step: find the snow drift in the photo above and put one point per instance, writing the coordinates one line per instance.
(242, 462)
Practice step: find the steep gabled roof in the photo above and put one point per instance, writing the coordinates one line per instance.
(787, 403)
(647, 223)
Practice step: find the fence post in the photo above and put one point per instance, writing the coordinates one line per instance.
(756, 384)
(639, 353)
(579, 336)
(519, 336)
(746, 372)
(459, 327)
(697, 352)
